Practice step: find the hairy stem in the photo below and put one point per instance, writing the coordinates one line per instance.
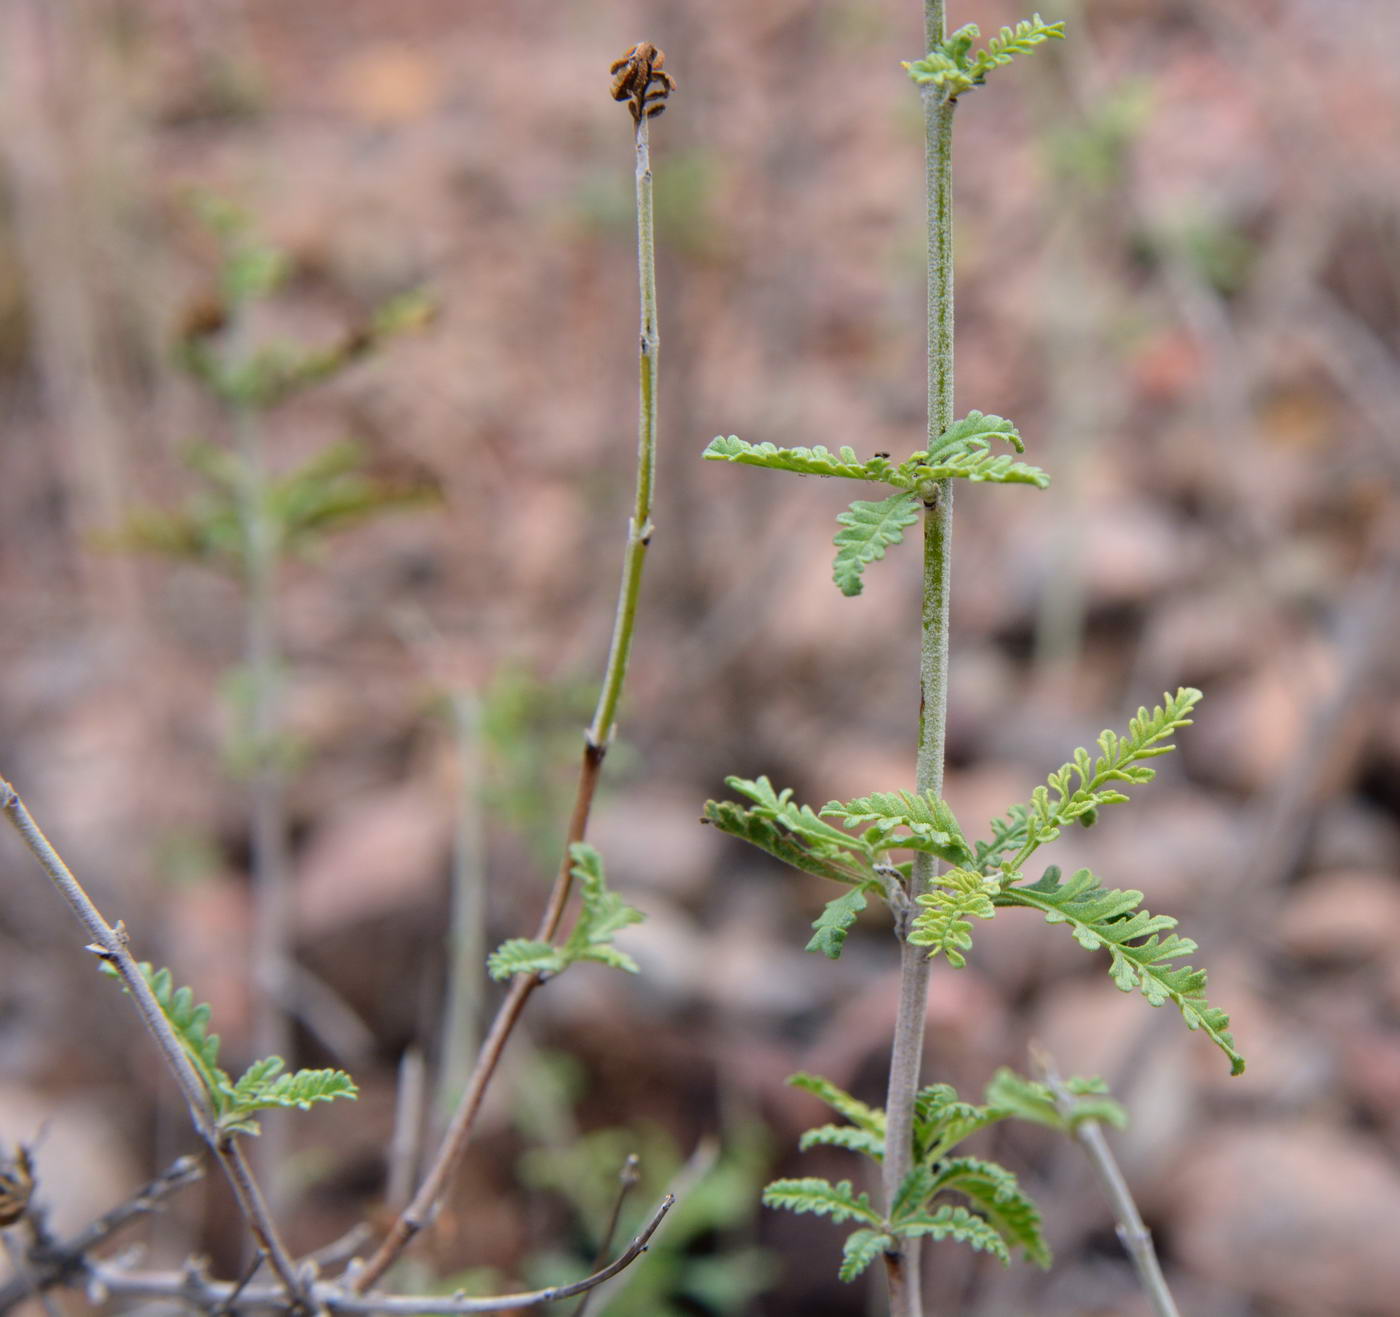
(902, 1262)
(1132, 1232)
(423, 1205)
(110, 944)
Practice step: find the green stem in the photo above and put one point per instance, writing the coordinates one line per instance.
(420, 1209)
(639, 527)
(902, 1263)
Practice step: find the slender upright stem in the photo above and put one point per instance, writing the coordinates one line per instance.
(902, 1263)
(465, 977)
(271, 949)
(421, 1208)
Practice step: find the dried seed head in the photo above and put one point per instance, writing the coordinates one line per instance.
(638, 79)
(16, 1184)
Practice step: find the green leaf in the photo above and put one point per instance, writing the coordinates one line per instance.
(956, 1223)
(930, 823)
(262, 1087)
(794, 834)
(955, 898)
(602, 915)
(963, 451)
(522, 955)
(870, 1119)
(838, 1201)
(954, 68)
(816, 461)
(942, 1120)
(1139, 945)
(188, 1021)
(850, 1137)
(870, 528)
(998, 1197)
(1121, 759)
(1029, 1100)
(835, 922)
(862, 1247)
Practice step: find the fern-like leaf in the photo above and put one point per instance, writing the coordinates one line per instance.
(187, 1019)
(1139, 945)
(602, 915)
(523, 955)
(1063, 799)
(871, 1119)
(955, 899)
(816, 461)
(835, 922)
(928, 822)
(942, 1120)
(850, 1137)
(997, 1196)
(811, 1194)
(953, 67)
(794, 834)
(955, 1223)
(263, 1086)
(870, 529)
(1029, 1100)
(862, 1247)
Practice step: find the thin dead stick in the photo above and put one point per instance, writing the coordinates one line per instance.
(193, 1288)
(639, 80)
(627, 1179)
(110, 944)
(1132, 1232)
(52, 1262)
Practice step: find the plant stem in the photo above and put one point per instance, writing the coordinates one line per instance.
(1132, 1231)
(110, 945)
(902, 1262)
(272, 1035)
(420, 1210)
(466, 950)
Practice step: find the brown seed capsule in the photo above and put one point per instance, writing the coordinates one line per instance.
(16, 1184)
(638, 78)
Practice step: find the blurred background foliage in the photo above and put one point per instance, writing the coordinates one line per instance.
(1178, 273)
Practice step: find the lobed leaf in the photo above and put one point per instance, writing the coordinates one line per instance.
(850, 1137)
(818, 461)
(838, 1201)
(1121, 759)
(870, 529)
(953, 67)
(955, 898)
(868, 1118)
(862, 1247)
(956, 1223)
(835, 922)
(1139, 945)
(928, 819)
(998, 1197)
(1029, 1100)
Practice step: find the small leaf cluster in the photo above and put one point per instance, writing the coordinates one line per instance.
(264, 1085)
(603, 914)
(868, 528)
(333, 490)
(989, 874)
(953, 67)
(999, 1218)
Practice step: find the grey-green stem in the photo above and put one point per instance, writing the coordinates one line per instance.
(902, 1263)
(639, 528)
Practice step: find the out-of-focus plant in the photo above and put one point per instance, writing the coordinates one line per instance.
(952, 880)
